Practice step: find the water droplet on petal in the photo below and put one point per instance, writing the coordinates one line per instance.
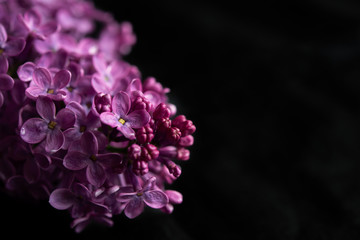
(22, 131)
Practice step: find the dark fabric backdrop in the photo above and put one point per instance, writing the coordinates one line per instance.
(274, 90)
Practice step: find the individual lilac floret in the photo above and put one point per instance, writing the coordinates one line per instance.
(78, 199)
(46, 85)
(10, 46)
(120, 117)
(85, 155)
(135, 201)
(47, 127)
(32, 24)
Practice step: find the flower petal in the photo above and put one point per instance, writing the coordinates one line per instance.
(175, 197)
(3, 34)
(34, 130)
(89, 143)
(42, 78)
(25, 71)
(155, 199)
(121, 104)
(1, 99)
(66, 118)
(134, 208)
(45, 108)
(48, 28)
(4, 64)
(138, 118)
(109, 118)
(15, 46)
(111, 161)
(6, 82)
(78, 111)
(127, 131)
(62, 199)
(34, 92)
(95, 174)
(54, 140)
(62, 79)
(71, 134)
(75, 160)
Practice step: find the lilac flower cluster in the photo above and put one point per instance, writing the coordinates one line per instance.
(79, 126)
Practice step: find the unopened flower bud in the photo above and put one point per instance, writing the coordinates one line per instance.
(102, 102)
(161, 111)
(145, 135)
(186, 141)
(140, 167)
(163, 124)
(183, 154)
(141, 102)
(173, 135)
(186, 126)
(134, 152)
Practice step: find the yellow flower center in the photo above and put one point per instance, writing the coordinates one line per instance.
(82, 128)
(139, 194)
(1, 51)
(70, 89)
(122, 121)
(51, 125)
(93, 157)
(51, 91)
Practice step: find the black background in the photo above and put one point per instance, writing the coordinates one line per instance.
(274, 90)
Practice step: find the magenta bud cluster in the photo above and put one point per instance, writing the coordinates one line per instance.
(80, 126)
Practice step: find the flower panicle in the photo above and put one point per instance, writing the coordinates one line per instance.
(81, 127)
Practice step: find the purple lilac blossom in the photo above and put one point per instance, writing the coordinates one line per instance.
(81, 127)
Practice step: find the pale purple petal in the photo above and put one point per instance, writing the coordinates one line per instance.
(62, 199)
(3, 34)
(54, 140)
(45, 108)
(34, 92)
(48, 28)
(99, 85)
(62, 79)
(138, 118)
(34, 130)
(99, 64)
(101, 139)
(89, 144)
(14, 46)
(92, 120)
(71, 134)
(121, 104)
(32, 19)
(155, 199)
(42, 78)
(134, 207)
(25, 71)
(127, 131)
(4, 64)
(6, 82)
(75, 160)
(135, 85)
(59, 95)
(110, 119)
(66, 118)
(149, 184)
(95, 174)
(78, 110)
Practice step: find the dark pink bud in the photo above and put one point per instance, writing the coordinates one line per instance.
(186, 141)
(153, 151)
(161, 111)
(163, 124)
(149, 152)
(141, 102)
(134, 152)
(179, 120)
(102, 102)
(173, 135)
(186, 126)
(145, 135)
(183, 154)
(140, 167)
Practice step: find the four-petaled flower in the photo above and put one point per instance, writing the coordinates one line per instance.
(122, 119)
(135, 201)
(49, 126)
(46, 85)
(84, 154)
